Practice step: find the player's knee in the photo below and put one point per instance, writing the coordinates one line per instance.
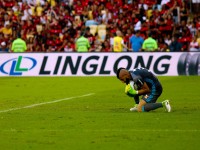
(140, 107)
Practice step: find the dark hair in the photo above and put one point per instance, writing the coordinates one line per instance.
(149, 34)
(137, 31)
(118, 71)
(82, 33)
(18, 35)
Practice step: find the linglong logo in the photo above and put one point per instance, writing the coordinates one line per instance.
(17, 66)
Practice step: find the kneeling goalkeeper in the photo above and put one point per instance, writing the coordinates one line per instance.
(145, 84)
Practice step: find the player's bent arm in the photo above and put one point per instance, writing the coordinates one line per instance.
(144, 90)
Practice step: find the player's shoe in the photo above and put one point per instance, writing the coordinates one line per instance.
(166, 105)
(134, 108)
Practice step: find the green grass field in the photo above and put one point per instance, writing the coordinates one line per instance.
(56, 113)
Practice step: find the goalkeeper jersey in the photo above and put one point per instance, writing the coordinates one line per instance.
(141, 75)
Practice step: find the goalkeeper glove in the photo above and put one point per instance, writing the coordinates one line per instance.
(130, 91)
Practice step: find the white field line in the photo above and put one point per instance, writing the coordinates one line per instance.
(50, 102)
(111, 130)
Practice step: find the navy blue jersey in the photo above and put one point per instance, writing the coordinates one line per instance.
(141, 75)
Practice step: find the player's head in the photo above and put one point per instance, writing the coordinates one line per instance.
(118, 71)
(123, 75)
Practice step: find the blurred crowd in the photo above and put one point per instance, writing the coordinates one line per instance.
(55, 25)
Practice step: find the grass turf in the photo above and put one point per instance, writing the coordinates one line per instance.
(100, 121)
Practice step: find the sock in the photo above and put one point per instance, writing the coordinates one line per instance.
(151, 106)
(136, 98)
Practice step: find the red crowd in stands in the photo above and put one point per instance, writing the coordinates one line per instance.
(54, 25)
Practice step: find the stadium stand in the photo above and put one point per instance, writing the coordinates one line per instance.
(55, 22)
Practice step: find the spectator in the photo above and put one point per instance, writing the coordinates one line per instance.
(3, 47)
(89, 35)
(175, 46)
(39, 10)
(157, 5)
(40, 41)
(136, 42)
(19, 45)
(138, 25)
(118, 43)
(128, 35)
(7, 30)
(161, 44)
(175, 12)
(30, 44)
(68, 47)
(150, 44)
(194, 46)
(184, 36)
(82, 44)
(184, 13)
(97, 44)
(192, 28)
(26, 13)
(106, 16)
(106, 47)
(195, 4)
(16, 9)
(165, 48)
(167, 39)
(110, 37)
